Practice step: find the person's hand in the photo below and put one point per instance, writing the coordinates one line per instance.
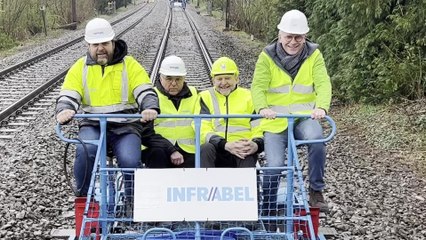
(318, 113)
(249, 147)
(176, 158)
(65, 116)
(148, 115)
(268, 113)
(234, 148)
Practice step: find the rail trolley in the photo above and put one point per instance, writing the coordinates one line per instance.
(200, 204)
(178, 3)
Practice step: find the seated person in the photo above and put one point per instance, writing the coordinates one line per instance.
(175, 97)
(229, 142)
(87, 85)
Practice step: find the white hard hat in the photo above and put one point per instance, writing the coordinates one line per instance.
(98, 30)
(173, 66)
(294, 22)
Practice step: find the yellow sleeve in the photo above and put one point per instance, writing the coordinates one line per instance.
(136, 73)
(74, 79)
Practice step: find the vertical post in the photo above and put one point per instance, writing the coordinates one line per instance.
(197, 124)
(103, 179)
(198, 3)
(227, 15)
(74, 10)
(209, 7)
(290, 175)
(95, 5)
(43, 15)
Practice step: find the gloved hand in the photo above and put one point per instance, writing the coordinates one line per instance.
(65, 116)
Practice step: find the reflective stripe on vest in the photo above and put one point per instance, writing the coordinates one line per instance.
(176, 123)
(110, 108)
(255, 123)
(297, 88)
(293, 108)
(71, 93)
(216, 108)
(232, 129)
(282, 89)
(71, 97)
(140, 94)
(188, 141)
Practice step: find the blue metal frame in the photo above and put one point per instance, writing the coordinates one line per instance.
(292, 164)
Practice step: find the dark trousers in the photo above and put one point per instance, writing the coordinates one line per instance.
(157, 157)
(123, 146)
(211, 157)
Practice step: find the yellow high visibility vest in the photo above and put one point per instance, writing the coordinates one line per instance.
(177, 130)
(237, 102)
(286, 95)
(111, 91)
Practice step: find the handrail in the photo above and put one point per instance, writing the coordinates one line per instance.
(201, 116)
(197, 123)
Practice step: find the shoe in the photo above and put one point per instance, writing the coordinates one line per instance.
(316, 199)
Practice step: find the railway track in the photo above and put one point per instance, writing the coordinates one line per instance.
(182, 38)
(21, 102)
(34, 81)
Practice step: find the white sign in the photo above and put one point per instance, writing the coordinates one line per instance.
(195, 194)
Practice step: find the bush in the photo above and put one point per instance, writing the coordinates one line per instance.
(375, 51)
(6, 42)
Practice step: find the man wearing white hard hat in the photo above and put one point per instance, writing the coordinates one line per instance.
(175, 97)
(107, 80)
(290, 77)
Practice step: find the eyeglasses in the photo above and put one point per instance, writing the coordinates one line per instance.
(174, 79)
(289, 38)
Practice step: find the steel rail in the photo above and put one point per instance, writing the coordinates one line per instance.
(39, 90)
(161, 49)
(59, 48)
(201, 45)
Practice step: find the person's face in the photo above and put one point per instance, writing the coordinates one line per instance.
(224, 84)
(292, 43)
(102, 53)
(172, 84)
